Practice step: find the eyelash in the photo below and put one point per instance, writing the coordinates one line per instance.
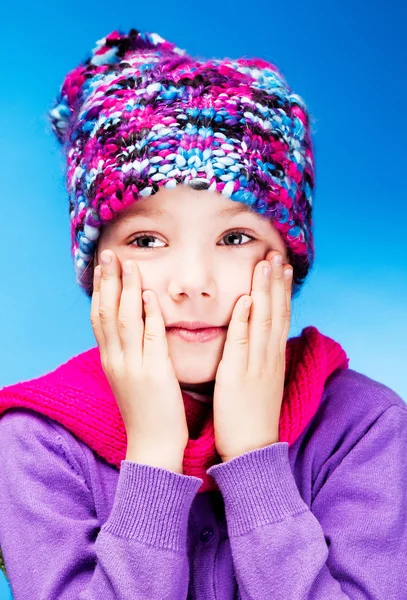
(150, 235)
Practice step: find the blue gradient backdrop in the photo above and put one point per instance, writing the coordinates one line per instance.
(346, 59)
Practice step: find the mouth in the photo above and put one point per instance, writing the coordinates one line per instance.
(205, 334)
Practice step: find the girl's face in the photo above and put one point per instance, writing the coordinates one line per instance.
(190, 253)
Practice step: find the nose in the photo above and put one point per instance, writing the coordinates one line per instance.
(192, 276)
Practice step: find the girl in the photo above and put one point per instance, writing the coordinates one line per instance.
(195, 452)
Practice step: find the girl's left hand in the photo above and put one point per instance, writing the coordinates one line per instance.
(249, 383)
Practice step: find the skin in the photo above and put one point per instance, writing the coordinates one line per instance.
(196, 270)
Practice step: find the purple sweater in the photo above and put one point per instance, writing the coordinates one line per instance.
(323, 519)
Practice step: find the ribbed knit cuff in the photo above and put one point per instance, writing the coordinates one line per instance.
(152, 505)
(258, 488)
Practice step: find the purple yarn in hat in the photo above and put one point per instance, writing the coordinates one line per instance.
(139, 113)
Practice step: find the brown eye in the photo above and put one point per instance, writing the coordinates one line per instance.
(236, 234)
(144, 239)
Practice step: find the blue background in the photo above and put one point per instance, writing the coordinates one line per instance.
(346, 59)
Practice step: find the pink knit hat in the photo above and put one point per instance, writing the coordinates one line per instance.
(139, 113)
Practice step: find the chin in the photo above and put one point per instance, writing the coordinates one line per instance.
(195, 373)
(195, 367)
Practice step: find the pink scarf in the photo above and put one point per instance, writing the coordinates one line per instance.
(78, 396)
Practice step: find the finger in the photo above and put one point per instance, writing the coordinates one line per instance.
(94, 314)
(288, 282)
(130, 323)
(236, 349)
(155, 347)
(278, 307)
(260, 317)
(109, 298)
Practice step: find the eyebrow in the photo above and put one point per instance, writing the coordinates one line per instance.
(160, 212)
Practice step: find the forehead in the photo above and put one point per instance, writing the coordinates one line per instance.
(148, 209)
(171, 205)
(168, 206)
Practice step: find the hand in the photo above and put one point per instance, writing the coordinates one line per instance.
(249, 383)
(135, 360)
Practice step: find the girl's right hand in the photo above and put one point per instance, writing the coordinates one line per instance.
(135, 360)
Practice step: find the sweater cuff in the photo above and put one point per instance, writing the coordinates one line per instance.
(258, 488)
(152, 505)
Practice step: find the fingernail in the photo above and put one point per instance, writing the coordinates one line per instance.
(106, 258)
(266, 272)
(278, 260)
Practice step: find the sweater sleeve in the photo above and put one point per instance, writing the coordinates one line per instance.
(53, 544)
(352, 543)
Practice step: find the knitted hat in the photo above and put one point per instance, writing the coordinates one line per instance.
(139, 113)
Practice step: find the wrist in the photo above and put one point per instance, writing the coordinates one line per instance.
(152, 459)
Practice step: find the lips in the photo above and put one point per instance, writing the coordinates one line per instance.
(197, 335)
(192, 325)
